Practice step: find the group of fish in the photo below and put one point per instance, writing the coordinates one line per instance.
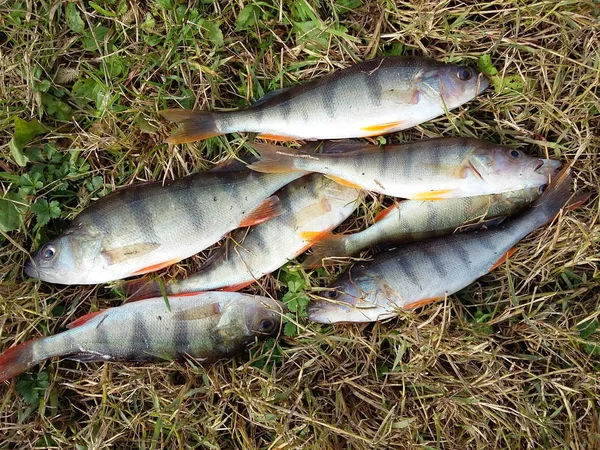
(447, 230)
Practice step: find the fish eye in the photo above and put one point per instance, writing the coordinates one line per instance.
(464, 73)
(515, 154)
(48, 251)
(266, 325)
(332, 294)
(542, 188)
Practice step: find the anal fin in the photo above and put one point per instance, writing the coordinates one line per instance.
(440, 194)
(422, 302)
(276, 137)
(155, 267)
(504, 258)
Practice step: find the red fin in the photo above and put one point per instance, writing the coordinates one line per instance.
(383, 128)
(236, 287)
(276, 137)
(578, 200)
(423, 302)
(343, 182)
(83, 319)
(265, 211)
(155, 267)
(433, 195)
(312, 237)
(16, 360)
(504, 258)
(384, 212)
(194, 125)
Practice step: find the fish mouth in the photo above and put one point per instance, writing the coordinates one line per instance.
(317, 312)
(548, 167)
(483, 83)
(31, 269)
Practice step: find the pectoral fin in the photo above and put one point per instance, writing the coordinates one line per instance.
(198, 312)
(265, 211)
(127, 252)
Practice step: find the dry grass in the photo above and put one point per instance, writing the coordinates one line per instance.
(510, 362)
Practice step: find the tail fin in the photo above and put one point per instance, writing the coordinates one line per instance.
(140, 289)
(329, 246)
(16, 360)
(193, 125)
(276, 158)
(556, 195)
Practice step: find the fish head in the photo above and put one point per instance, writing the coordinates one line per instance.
(68, 258)
(459, 84)
(263, 317)
(347, 300)
(509, 169)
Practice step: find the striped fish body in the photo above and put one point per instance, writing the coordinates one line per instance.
(370, 98)
(417, 220)
(313, 206)
(420, 273)
(142, 228)
(423, 170)
(205, 327)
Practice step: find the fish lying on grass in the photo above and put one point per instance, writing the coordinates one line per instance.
(313, 206)
(430, 169)
(145, 227)
(206, 327)
(371, 98)
(417, 220)
(420, 273)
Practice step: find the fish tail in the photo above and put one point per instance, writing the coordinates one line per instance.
(276, 158)
(140, 289)
(193, 125)
(17, 360)
(329, 246)
(556, 195)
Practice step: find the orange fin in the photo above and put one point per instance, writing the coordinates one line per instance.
(155, 267)
(433, 195)
(236, 287)
(312, 237)
(139, 289)
(193, 125)
(504, 258)
(422, 302)
(265, 211)
(83, 319)
(17, 360)
(383, 128)
(343, 182)
(276, 137)
(384, 212)
(325, 249)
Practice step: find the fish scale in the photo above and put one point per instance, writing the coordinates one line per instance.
(419, 273)
(144, 227)
(370, 98)
(415, 220)
(313, 205)
(430, 169)
(206, 327)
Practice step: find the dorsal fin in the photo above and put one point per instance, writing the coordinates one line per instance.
(271, 97)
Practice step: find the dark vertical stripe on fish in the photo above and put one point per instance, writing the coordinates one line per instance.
(181, 338)
(438, 265)
(329, 100)
(462, 254)
(140, 346)
(142, 216)
(374, 88)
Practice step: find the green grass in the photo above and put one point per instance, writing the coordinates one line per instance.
(510, 362)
